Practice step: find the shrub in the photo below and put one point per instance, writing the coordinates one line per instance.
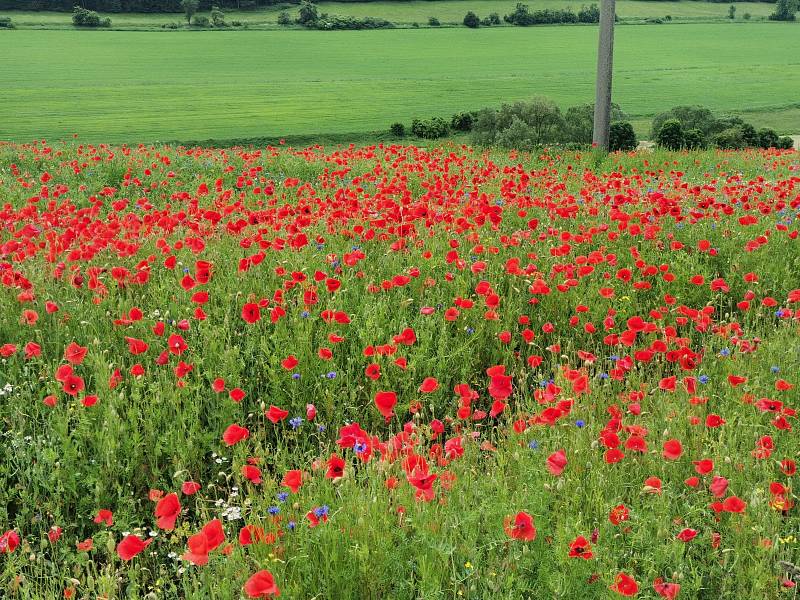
(429, 129)
(522, 125)
(88, 18)
(494, 19)
(433, 22)
(579, 122)
(730, 139)
(694, 139)
(622, 137)
(690, 117)
(337, 22)
(785, 142)
(670, 135)
(201, 21)
(732, 11)
(237, 24)
(462, 121)
(398, 129)
(589, 14)
(284, 18)
(471, 20)
(746, 16)
(5, 23)
(767, 138)
(171, 25)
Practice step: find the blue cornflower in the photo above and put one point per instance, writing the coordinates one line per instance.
(724, 352)
(533, 445)
(331, 375)
(295, 376)
(296, 422)
(185, 269)
(320, 428)
(282, 496)
(291, 525)
(580, 423)
(359, 447)
(273, 510)
(614, 357)
(470, 330)
(703, 379)
(305, 314)
(775, 369)
(603, 375)
(321, 511)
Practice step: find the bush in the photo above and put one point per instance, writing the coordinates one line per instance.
(398, 129)
(523, 17)
(471, 20)
(767, 138)
(429, 129)
(746, 16)
(88, 18)
(172, 25)
(690, 117)
(579, 122)
(730, 139)
(622, 137)
(201, 21)
(732, 11)
(433, 22)
(670, 135)
(337, 22)
(785, 142)
(5, 23)
(589, 14)
(462, 121)
(284, 18)
(189, 8)
(494, 19)
(521, 125)
(693, 139)
(237, 24)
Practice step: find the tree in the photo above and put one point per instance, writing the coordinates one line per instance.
(784, 10)
(471, 20)
(189, 8)
(218, 17)
(732, 11)
(308, 13)
(580, 121)
(670, 135)
(767, 138)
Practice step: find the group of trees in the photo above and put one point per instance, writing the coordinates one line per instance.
(524, 17)
(696, 127)
(310, 17)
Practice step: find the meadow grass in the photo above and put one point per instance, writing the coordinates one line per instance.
(130, 86)
(113, 207)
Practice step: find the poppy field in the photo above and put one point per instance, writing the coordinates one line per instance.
(394, 372)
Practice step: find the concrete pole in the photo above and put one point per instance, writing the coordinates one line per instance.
(605, 58)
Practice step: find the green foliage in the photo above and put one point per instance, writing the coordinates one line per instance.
(433, 22)
(522, 125)
(6, 23)
(732, 11)
(88, 18)
(429, 129)
(767, 138)
(690, 117)
(398, 129)
(785, 142)
(694, 139)
(217, 17)
(201, 21)
(462, 121)
(622, 137)
(284, 18)
(579, 121)
(472, 20)
(670, 135)
(523, 16)
(784, 10)
(189, 8)
(308, 13)
(730, 139)
(747, 16)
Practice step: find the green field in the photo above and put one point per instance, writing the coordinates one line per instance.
(138, 86)
(418, 11)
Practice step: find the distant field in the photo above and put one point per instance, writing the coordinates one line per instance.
(137, 86)
(405, 13)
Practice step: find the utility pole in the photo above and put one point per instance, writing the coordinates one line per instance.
(605, 59)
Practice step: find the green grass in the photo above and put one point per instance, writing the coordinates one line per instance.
(406, 13)
(138, 86)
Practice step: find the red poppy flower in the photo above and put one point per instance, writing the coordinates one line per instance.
(251, 313)
(625, 585)
(130, 546)
(74, 353)
(261, 585)
(687, 534)
(104, 516)
(672, 450)
(556, 462)
(289, 363)
(167, 511)
(521, 527)
(293, 480)
(666, 590)
(190, 488)
(235, 434)
(385, 402)
(580, 548)
(429, 385)
(276, 414)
